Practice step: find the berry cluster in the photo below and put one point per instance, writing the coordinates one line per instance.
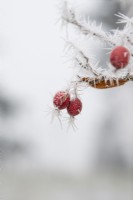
(62, 100)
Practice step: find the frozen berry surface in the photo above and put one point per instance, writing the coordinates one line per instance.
(61, 100)
(74, 107)
(119, 57)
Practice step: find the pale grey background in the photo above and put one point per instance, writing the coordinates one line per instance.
(39, 159)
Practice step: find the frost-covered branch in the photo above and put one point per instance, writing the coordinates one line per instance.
(104, 82)
(97, 77)
(85, 26)
(81, 60)
(127, 32)
(117, 72)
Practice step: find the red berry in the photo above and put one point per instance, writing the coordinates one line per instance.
(74, 107)
(119, 57)
(61, 100)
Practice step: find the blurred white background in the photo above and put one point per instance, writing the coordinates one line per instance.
(39, 159)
